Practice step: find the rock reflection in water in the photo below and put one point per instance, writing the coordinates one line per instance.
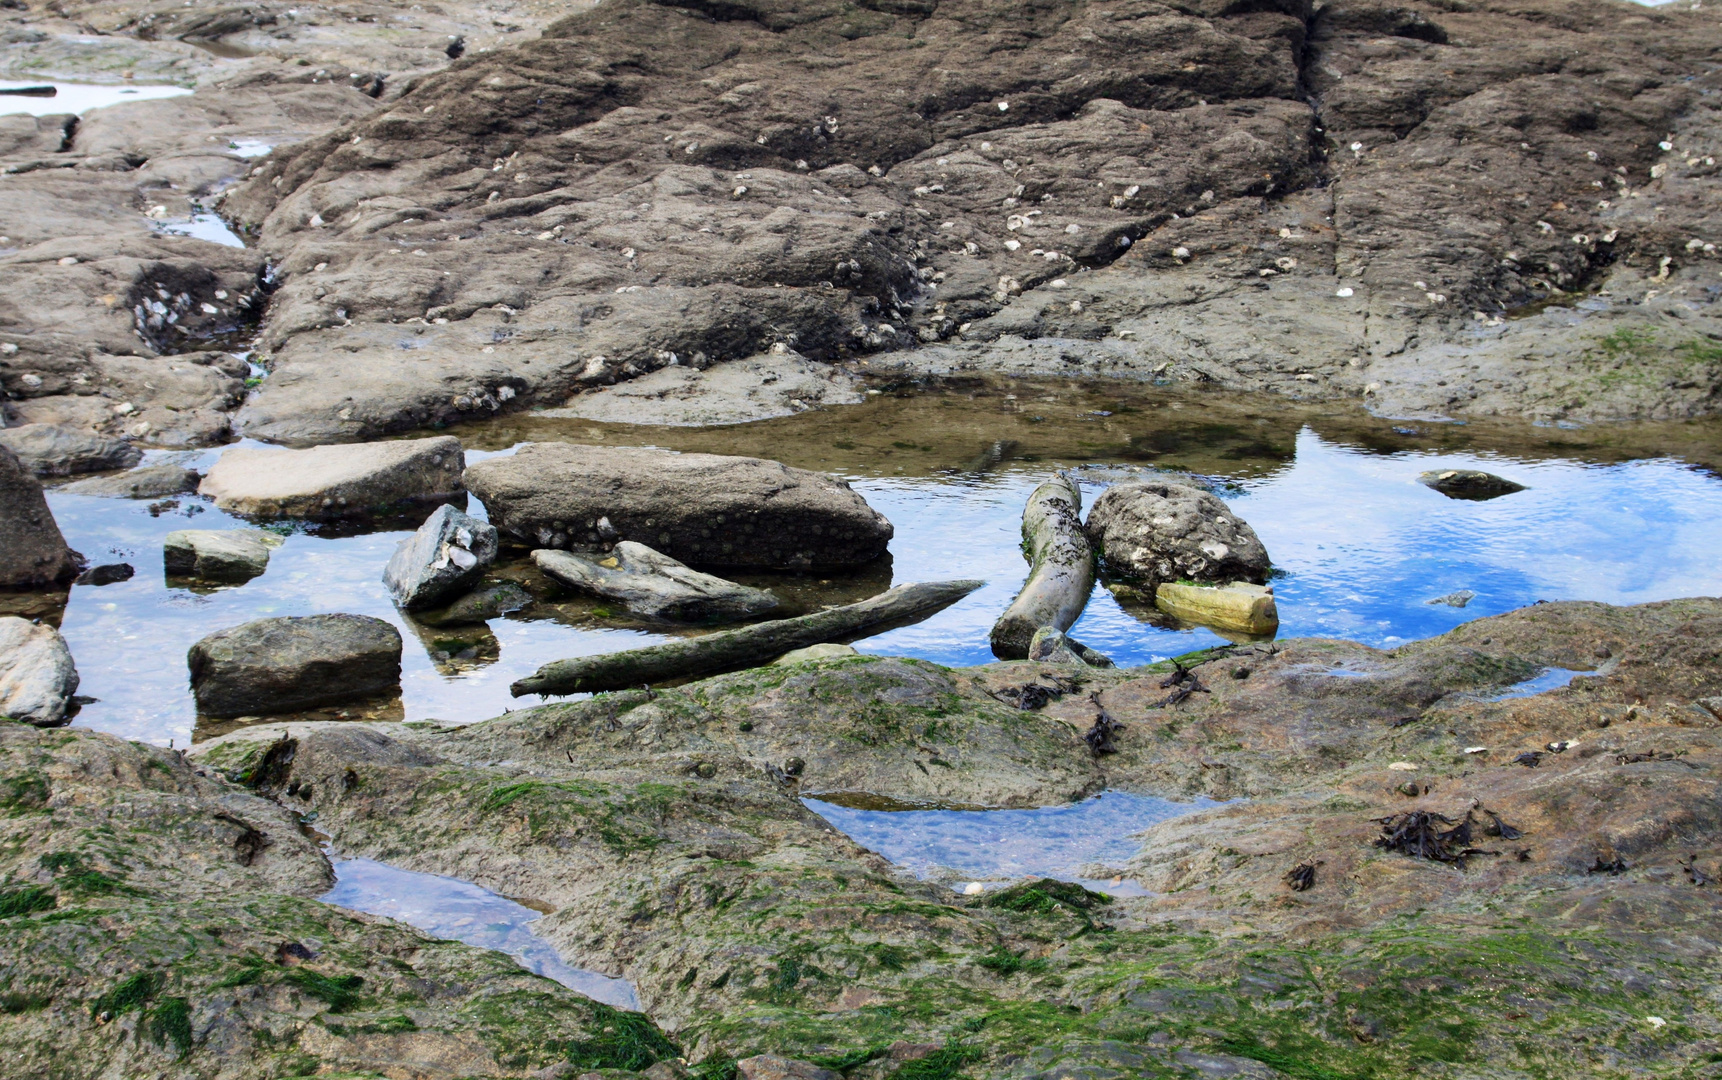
(448, 908)
(1064, 842)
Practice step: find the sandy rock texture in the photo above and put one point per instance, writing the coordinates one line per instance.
(666, 831)
(1099, 188)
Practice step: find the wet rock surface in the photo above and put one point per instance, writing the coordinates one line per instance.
(701, 509)
(443, 559)
(1472, 484)
(288, 664)
(649, 583)
(33, 554)
(1162, 531)
(37, 676)
(227, 556)
(55, 451)
(626, 812)
(160, 919)
(332, 483)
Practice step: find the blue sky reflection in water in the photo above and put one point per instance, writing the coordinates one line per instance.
(1362, 545)
(446, 907)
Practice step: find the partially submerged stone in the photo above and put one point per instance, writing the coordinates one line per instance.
(1471, 484)
(825, 650)
(1239, 607)
(702, 509)
(106, 574)
(287, 664)
(150, 482)
(1159, 531)
(329, 483)
(37, 676)
(1051, 645)
(480, 605)
(33, 553)
(48, 450)
(1455, 599)
(650, 583)
(447, 554)
(231, 556)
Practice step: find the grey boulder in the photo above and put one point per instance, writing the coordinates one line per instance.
(447, 554)
(33, 553)
(231, 556)
(331, 483)
(1051, 645)
(1160, 531)
(650, 583)
(150, 482)
(701, 509)
(57, 451)
(288, 664)
(1470, 484)
(37, 677)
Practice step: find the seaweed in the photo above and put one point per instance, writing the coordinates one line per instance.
(170, 1022)
(132, 992)
(1499, 828)
(851, 1058)
(339, 992)
(942, 1064)
(1099, 737)
(1300, 877)
(624, 1040)
(1001, 961)
(1420, 834)
(25, 900)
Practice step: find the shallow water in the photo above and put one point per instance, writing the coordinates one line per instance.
(1052, 841)
(204, 227)
(461, 911)
(80, 97)
(1613, 514)
(1548, 679)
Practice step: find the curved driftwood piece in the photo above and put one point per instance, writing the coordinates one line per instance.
(747, 646)
(650, 583)
(1061, 574)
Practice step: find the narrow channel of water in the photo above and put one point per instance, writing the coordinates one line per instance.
(1069, 843)
(461, 911)
(79, 97)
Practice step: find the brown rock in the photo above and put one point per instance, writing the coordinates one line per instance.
(773, 1067)
(33, 553)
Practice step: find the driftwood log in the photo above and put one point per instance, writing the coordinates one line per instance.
(1061, 573)
(747, 646)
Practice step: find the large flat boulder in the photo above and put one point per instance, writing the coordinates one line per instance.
(701, 509)
(37, 677)
(33, 553)
(288, 664)
(1160, 531)
(60, 451)
(330, 483)
(651, 583)
(443, 559)
(226, 555)
(150, 482)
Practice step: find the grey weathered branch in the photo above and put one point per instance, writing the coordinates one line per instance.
(747, 646)
(1061, 574)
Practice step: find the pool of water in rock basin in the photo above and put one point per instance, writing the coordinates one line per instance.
(1623, 515)
(445, 907)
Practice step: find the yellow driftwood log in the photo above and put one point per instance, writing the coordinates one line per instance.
(1239, 607)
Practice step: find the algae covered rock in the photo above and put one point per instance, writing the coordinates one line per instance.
(1159, 531)
(288, 664)
(1238, 607)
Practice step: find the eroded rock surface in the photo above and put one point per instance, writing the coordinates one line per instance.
(37, 676)
(332, 483)
(665, 830)
(442, 560)
(33, 552)
(55, 451)
(1163, 531)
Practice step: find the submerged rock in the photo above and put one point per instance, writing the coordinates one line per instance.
(1158, 531)
(328, 483)
(106, 574)
(443, 558)
(1471, 484)
(480, 605)
(288, 664)
(33, 553)
(150, 482)
(1051, 645)
(48, 450)
(226, 555)
(649, 583)
(37, 676)
(701, 509)
(1455, 599)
